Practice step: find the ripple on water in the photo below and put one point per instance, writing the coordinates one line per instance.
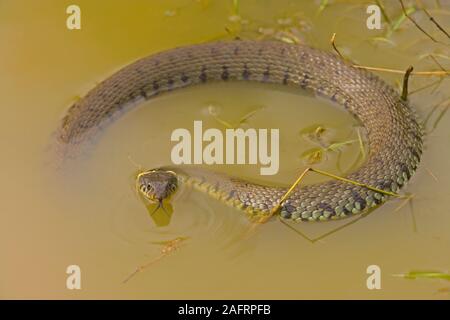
(195, 215)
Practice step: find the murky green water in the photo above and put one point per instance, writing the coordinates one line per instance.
(90, 215)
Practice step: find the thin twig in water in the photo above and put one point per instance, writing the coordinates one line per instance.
(313, 240)
(404, 202)
(438, 73)
(361, 145)
(140, 268)
(439, 118)
(168, 247)
(399, 21)
(445, 104)
(333, 37)
(405, 83)
(241, 121)
(415, 23)
(437, 62)
(431, 174)
(432, 19)
(277, 207)
(409, 200)
(434, 83)
(383, 11)
(435, 54)
(430, 114)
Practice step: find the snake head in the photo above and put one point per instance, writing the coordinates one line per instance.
(156, 185)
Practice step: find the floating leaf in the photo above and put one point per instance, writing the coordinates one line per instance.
(314, 132)
(313, 156)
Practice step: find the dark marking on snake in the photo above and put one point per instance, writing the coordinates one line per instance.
(286, 77)
(203, 77)
(266, 74)
(184, 78)
(225, 74)
(245, 73)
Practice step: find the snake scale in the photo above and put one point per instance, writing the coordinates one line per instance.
(393, 132)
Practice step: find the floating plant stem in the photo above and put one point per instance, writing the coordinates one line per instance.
(408, 15)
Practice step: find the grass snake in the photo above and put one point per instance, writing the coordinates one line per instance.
(393, 133)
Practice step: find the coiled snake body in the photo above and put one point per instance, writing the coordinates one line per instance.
(394, 135)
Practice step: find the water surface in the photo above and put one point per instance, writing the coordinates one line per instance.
(89, 215)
